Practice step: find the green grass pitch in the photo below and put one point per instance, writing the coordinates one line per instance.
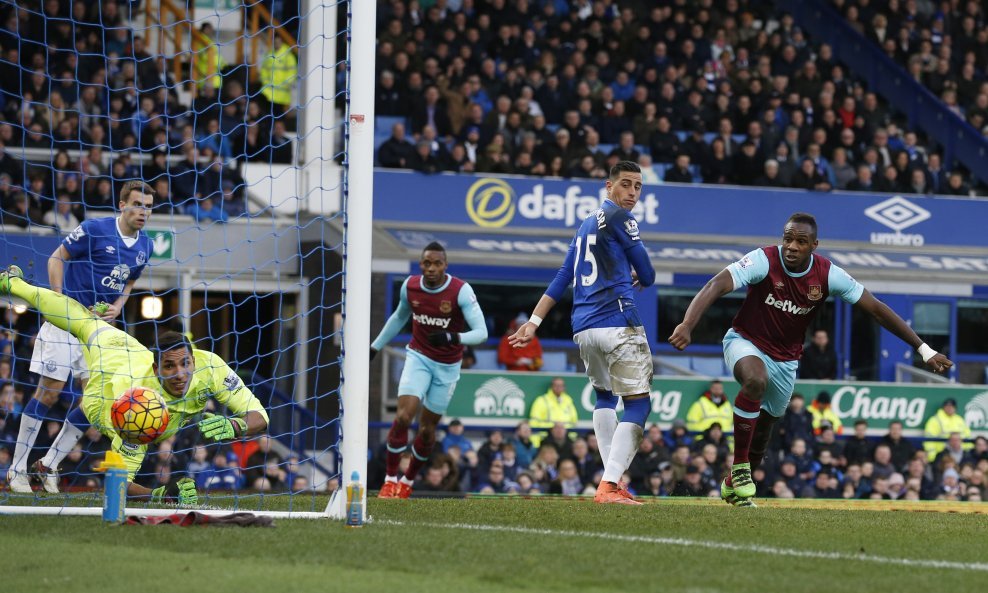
(513, 544)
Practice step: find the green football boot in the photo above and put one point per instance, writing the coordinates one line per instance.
(741, 480)
(728, 495)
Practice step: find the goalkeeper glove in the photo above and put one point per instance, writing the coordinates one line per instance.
(220, 428)
(441, 339)
(183, 490)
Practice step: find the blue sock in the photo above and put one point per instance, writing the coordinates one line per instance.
(636, 411)
(605, 400)
(78, 419)
(36, 409)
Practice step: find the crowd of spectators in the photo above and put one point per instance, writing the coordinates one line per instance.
(78, 81)
(712, 91)
(801, 462)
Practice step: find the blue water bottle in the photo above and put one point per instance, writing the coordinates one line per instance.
(114, 487)
(354, 502)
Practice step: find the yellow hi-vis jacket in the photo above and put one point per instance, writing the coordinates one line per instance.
(939, 426)
(704, 412)
(279, 69)
(207, 63)
(547, 410)
(828, 414)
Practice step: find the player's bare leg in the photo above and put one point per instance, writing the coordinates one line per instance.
(422, 447)
(408, 407)
(751, 373)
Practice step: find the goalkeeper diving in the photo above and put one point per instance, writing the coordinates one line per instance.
(185, 377)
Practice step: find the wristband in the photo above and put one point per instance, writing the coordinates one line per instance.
(535, 319)
(926, 352)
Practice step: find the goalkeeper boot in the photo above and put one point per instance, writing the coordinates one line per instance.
(18, 482)
(388, 490)
(48, 477)
(729, 496)
(6, 275)
(741, 480)
(404, 490)
(608, 493)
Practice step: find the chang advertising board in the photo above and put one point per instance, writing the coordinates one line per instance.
(506, 398)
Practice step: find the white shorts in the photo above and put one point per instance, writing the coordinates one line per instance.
(617, 359)
(58, 353)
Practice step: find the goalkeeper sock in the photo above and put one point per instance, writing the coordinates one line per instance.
(627, 437)
(421, 451)
(31, 421)
(59, 310)
(397, 442)
(63, 445)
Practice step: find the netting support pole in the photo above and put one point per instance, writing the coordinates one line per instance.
(358, 208)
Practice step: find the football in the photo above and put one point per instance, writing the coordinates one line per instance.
(139, 415)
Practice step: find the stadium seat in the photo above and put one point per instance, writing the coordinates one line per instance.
(708, 365)
(554, 362)
(486, 360)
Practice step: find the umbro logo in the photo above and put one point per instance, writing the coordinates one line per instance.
(897, 213)
(111, 249)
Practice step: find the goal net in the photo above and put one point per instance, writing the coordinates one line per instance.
(233, 113)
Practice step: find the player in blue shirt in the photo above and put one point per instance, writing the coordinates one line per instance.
(605, 261)
(96, 264)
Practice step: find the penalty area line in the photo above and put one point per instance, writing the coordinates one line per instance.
(710, 545)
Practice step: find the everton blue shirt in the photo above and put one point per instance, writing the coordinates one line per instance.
(103, 261)
(598, 264)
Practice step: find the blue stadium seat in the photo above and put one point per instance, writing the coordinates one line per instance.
(682, 136)
(486, 360)
(606, 149)
(554, 362)
(708, 365)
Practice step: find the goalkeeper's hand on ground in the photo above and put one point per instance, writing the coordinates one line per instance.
(441, 339)
(220, 428)
(182, 491)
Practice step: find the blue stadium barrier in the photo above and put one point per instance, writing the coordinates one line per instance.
(712, 366)
(486, 360)
(554, 362)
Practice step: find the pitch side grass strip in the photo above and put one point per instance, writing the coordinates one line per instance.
(710, 545)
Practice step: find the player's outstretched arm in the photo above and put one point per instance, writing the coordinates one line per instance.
(891, 321)
(398, 320)
(526, 332)
(56, 268)
(715, 288)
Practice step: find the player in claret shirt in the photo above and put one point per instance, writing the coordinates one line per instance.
(442, 308)
(787, 284)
